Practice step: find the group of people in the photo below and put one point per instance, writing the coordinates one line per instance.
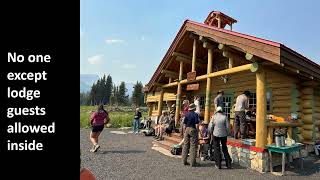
(166, 123)
(214, 135)
(210, 136)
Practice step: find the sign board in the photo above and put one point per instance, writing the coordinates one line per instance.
(193, 87)
(191, 76)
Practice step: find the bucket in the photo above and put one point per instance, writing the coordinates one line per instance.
(280, 140)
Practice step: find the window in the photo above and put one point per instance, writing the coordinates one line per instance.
(269, 95)
(227, 105)
(253, 100)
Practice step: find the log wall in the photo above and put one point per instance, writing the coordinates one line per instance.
(310, 105)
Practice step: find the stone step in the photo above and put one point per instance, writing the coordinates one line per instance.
(164, 144)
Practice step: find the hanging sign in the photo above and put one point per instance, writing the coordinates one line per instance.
(193, 87)
(191, 76)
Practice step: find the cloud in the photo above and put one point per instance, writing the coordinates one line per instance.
(142, 38)
(129, 66)
(96, 60)
(114, 41)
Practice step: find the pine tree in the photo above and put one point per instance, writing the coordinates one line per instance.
(137, 94)
(122, 98)
(108, 88)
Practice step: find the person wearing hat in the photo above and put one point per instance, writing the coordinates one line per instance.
(218, 100)
(242, 104)
(136, 121)
(190, 123)
(220, 133)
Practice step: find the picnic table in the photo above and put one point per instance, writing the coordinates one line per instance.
(284, 150)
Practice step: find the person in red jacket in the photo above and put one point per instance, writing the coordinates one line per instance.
(98, 120)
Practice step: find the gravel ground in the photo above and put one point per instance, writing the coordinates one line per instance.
(129, 156)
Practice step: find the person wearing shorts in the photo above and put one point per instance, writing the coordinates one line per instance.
(98, 120)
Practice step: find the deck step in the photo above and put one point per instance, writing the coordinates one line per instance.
(172, 139)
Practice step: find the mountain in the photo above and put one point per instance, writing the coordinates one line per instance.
(86, 81)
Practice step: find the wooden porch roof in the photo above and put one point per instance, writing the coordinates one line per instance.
(271, 51)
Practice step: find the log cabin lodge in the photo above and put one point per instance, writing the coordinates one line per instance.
(205, 57)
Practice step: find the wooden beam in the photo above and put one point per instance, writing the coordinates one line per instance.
(208, 88)
(254, 67)
(219, 21)
(194, 55)
(250, 57)
(221, 46)
(193, 36)
(261, 116)
(160, 103)
(172, 73)
(178, 97)
(230, 64)
(233, 70)
(187, 59)
(158, 84)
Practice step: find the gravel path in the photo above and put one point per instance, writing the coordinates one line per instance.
(129, 156)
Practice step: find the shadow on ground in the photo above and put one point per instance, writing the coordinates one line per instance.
(121, 152)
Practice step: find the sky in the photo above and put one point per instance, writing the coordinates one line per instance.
(128, 38)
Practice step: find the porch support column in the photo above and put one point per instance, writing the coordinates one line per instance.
(230, 62)
(160, 102)
(261, 134)
(149, 109)
(194, 55)
(208, 88)
(178, 98)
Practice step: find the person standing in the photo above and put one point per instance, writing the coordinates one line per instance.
(97, 121)
(136, 121)
(242, 103)
(220, 133)
(197, 103)
(191, 122)
(184, 112)
(218, 100)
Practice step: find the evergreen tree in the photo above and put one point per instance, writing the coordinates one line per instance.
(137, 94)
(108, 88)
(122, 97)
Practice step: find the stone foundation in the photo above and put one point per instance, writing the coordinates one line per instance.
(255, 158)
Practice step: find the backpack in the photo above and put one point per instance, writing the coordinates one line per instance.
(149, 132)
(176, 149)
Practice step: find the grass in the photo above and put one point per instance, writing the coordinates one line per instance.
(117, 118)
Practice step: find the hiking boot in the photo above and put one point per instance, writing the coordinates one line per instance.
(202, 159)
(218, 167)
(186, 164)
(96, 147)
